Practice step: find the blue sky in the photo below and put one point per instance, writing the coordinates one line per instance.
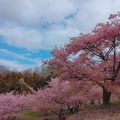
(30, 29)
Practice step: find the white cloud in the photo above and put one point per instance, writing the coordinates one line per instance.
(12, 65)
(35, 11)
(92, 12)
(30, 13)
(22, 21)
(20, 56)
(58, 37)
(35, 39)
(21, 37)
(13, 54)
(15, 65)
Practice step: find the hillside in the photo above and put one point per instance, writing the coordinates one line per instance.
(95, 112)
(100, 112)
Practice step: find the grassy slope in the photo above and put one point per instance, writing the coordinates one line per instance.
(96, 112)
(36, 116)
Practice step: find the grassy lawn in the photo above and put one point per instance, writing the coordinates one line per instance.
(36, 116)
(93, 112)
(99, 112)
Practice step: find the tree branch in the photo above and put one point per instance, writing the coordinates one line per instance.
(116, 72)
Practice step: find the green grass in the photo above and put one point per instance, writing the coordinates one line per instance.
(36, 116)
(113, 107)
(32, 114)
(117, 102)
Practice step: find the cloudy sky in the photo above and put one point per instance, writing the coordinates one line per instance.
(30, 29)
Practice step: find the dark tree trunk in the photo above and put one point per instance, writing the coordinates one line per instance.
(106, 97)
(61, 110)
(106, 94)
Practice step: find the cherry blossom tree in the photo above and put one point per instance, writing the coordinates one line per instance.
(12, 105)
(60, 94)
(95, 95)
(92, 57)
(52, 98)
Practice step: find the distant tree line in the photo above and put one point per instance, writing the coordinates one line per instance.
(9, 80)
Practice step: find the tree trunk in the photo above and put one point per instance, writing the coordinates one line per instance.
(106, 97)
(61, 110)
